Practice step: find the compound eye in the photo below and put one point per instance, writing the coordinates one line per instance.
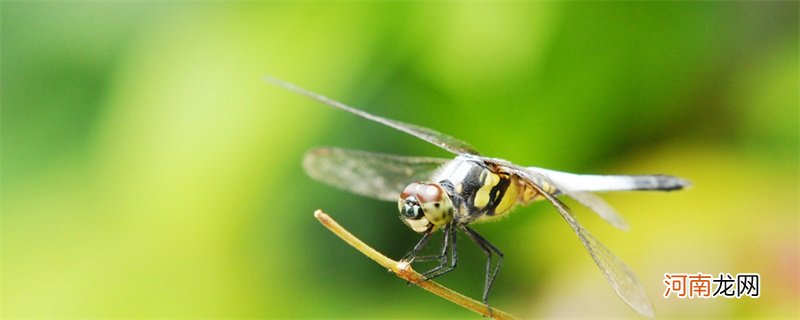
(411, 209)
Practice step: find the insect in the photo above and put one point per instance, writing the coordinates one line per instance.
(450, 194)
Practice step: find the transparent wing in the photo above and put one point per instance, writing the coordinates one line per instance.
(563, 182)
(599, 206)
(376, 175)
(440, 139)
(616, 272)
(619, 276)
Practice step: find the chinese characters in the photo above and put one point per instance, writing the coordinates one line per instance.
(704, 286)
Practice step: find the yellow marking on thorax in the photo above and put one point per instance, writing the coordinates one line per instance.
(510, 198)
(518, 192)
(482, 196)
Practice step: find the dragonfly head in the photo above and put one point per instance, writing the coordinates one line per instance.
(425, 206)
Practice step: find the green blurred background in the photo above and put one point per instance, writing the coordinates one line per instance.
(147, 171)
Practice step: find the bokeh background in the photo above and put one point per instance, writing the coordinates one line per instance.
(147, 171)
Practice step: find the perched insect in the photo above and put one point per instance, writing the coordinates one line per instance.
(434, 194)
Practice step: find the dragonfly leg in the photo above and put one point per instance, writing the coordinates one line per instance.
(449, 244)
(410, 256)
(489, 249)
(444, 249)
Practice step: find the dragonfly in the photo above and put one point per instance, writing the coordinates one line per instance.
(450, 195)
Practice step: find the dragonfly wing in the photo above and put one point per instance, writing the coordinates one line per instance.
(574, 185)
(601, 207)
(616, 272)
(376, 175)
(619, 276)
(442, 140)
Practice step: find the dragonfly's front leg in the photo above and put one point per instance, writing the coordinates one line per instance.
(412, 255)
(448, 244)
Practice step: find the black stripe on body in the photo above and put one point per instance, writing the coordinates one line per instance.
(497, 193)
(473, 182)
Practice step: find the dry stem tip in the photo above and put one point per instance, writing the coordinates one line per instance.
(321, 216)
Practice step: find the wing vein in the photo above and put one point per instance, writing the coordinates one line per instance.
(439, 139)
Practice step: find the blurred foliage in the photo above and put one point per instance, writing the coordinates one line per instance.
(148, 172)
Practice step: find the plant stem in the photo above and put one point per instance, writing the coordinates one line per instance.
(404, 271)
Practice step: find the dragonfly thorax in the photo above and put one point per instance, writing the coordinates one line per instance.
(425, 206)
